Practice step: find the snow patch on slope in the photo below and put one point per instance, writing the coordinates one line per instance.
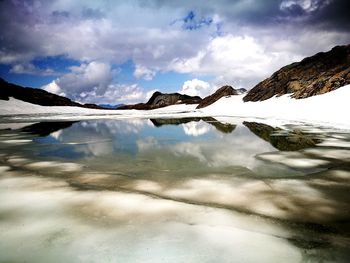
(331, 108)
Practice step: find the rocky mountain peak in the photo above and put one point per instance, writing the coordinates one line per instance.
(221, 92)
(318, 74)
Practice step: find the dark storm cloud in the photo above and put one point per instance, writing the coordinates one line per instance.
(335, 16)
(60, 14)
(244, 11)
(325, 13)
(91, 13)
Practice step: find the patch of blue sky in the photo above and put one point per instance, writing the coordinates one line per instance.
(57, 64)
(25, 80)
(124, 73)
(192, 22)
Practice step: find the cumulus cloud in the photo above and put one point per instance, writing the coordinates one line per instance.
(196, 87)
(92, 83)
(30, 69)
(54, 88)
(127, 94)
(88, 77)
(143, 72)
(236, 59)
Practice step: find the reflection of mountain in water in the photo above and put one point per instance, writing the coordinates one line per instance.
(45, 128)
(286, 141)
(222, 127)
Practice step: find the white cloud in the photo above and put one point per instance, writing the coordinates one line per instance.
(143, 72)
(126, 94)
(235, 60)
(86, 78)
(196, 87)
(29, 68)
(53, 88)
(91, 83)
(227, 54)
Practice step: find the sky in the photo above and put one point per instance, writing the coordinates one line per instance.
(116, 52)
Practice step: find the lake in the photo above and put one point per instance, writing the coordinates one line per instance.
(173, 190)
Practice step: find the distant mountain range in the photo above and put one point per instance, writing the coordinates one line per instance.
(318, 74)
(159, 100)
(109, 106)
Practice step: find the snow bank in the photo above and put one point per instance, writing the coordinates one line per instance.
(329, 109)
(14, 107)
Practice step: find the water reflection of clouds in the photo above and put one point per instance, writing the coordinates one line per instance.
(69, 225)
(238, 148)
(174, 189)
(99, 138)
(196, 128)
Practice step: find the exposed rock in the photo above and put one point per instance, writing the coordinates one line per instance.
(314, 75)
(159, 100)
(138, 106)
(222, 92)
(281, 139)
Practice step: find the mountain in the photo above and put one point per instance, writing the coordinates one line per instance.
(321, 73)
(221, 92)
(241, 91)
(159, 100)
(38, 96)
(109, 106)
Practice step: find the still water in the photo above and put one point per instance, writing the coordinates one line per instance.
(173, 190)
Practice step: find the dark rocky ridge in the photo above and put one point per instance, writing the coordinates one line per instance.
(222, 92)
(321, 73)
(159, 100)
(37, 96)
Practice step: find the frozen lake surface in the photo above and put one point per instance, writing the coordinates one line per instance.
(173, 190)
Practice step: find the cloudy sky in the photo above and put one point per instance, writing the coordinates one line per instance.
(121, 51)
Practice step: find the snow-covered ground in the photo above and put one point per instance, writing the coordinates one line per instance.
(329, 109)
